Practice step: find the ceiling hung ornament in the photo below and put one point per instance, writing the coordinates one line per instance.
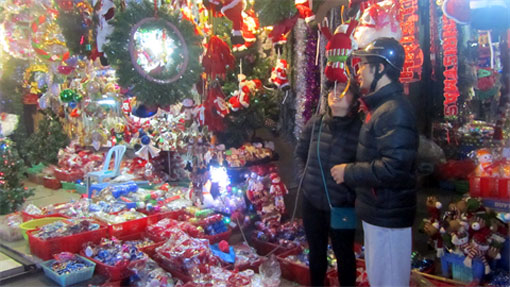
(154, 53)
(158, 50)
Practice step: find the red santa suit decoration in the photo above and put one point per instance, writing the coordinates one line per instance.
(378, 20)
(278, 190)
(247, 89)
(233, 9)
(279, 75)
(338, 49)
(218, 58)
(250, 30)
(280, 31)
(305, 10)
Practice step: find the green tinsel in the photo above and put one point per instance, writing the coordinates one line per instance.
(117, 51)
(271, 12)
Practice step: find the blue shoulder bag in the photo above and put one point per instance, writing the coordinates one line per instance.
(341, 217)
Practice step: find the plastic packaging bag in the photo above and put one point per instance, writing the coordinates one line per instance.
(270, 272)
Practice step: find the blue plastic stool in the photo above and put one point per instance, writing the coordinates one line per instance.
(118, 153)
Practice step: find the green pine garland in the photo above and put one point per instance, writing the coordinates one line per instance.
(271, 12)
(117, 51)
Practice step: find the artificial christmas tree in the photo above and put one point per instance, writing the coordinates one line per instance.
(12, 192)
(43, 145)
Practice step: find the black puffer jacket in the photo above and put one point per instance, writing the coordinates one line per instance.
(384, 171)
(338, 142)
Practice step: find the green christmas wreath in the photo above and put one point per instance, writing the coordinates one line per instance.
(146, 89)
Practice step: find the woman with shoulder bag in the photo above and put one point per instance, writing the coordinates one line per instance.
(328, 207)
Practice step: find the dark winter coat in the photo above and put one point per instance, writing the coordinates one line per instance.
(384, 171)
(338, 143)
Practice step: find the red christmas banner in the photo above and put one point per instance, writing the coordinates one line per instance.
(450, 63)
(411, 71)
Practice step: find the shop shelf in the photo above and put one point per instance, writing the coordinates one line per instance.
(70, 278)
(45, 249)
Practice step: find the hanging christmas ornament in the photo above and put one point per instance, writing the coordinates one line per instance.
(47, 39)
(217, 59)
(378, 20)
(232, 10)
(278, 34)
(36, 79)
(250, 29)
(67, 95)
(338, 49)
(305, 10)
(148, 150)
(279, 77)
(247, 89)
(66, 5)
(156, 56)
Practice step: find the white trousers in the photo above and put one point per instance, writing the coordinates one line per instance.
(387, 255)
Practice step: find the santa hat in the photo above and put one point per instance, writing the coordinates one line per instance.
(480, 241)
(460, 238)
(275, 178)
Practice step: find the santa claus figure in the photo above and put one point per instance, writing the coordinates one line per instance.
(278, 190)
(105, 13)
(305, 10)
(279, 75)
(233, 9)
(279, 33)
(187, 109)
(247, 89)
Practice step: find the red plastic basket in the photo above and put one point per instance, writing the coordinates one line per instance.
(504, 188)
(149, 250)
(131, 226)
(264, 247)
(45, 249)
(114, 273)
(69, 176)
(295, 272)
(51, 183)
